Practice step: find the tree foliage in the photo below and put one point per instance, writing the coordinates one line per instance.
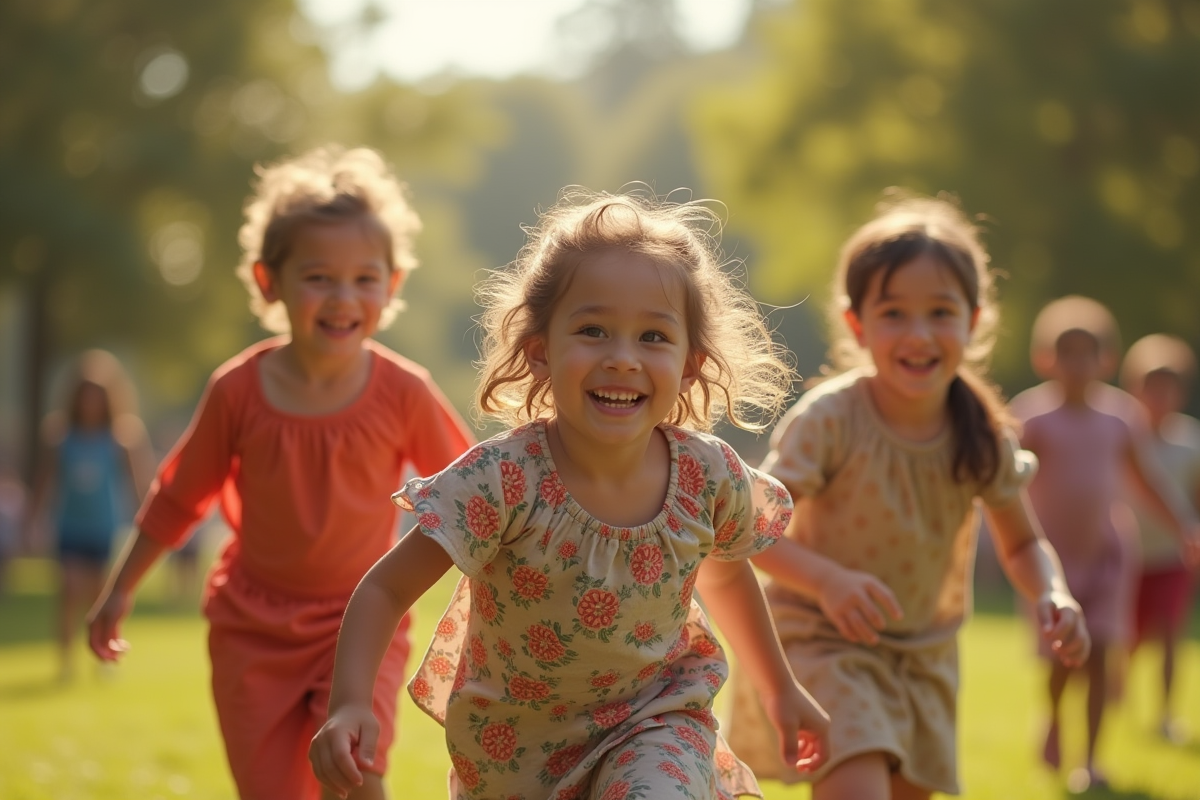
(1072, 125)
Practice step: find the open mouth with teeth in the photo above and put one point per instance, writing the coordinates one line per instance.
(919, 364)
(615, 399)
(338, 328)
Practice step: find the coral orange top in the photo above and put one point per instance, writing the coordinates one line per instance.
(307, 498)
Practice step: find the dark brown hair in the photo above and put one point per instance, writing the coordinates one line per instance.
(904, 228)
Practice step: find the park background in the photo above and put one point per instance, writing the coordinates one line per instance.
(128, 134)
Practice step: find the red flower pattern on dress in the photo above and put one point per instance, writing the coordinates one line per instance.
(612, 714)
(691, 475)
(512, 478)
(685, 591)
(446, 627)
(470, 458)
(523, 688)
(778, 526)
(567, 550)
(713, 679)
(441, 666)
(760, 523)
(725, 534)
(558, 711)
(569, 793)
(478, 652)
(646, 563)
(673, 522)
(504, 648)
(597, 608)
(649, 671)
(498, 740)
(725, 760)
(421, 688)
(533, 448)
(564, 759)
(733, 462)
(482, 598)
(544, 643)
(466, 770)
(483, 521)
(704, 647)
(552, 490)
(673, 769)
(604, 679)
(626, 758)
(618, 790)
(530, 583)
(690, 506)
(480, 702)
(695, 739)
(429, 521)
(680, 645)
(644, 631)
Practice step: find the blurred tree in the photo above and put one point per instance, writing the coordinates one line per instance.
(1072, 125)
(128, 130)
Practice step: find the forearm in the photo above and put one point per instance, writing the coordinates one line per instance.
(368, 626)
(137, 557)
(795, 566)
(736, 604)
(1034, 569)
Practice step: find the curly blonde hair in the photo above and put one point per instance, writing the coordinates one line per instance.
(905, 227)
(745, 375)
(326, 185)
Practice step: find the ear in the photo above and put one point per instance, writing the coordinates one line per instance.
(1043, 360)
(974, 321)
(536, 358)
(691, 371)
(266, 280)
(395, 281)
(855, 325)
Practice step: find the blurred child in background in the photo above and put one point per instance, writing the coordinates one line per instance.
(1159, 370)
(302, 438)
(886, 462)
(96, 460)
(1089, 437)
(574, 660)
(13, 499)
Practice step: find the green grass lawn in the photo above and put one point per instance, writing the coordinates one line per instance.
(147, 728)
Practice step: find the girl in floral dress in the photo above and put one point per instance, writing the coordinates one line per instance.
(573, 661)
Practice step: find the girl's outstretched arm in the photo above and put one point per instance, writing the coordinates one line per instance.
(347, 739)
(735, 601)
(1034, 569)
(855, 602)
(116, 600)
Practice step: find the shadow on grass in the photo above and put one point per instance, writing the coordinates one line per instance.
(29, 618)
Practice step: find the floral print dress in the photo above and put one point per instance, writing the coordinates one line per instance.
(573, 660)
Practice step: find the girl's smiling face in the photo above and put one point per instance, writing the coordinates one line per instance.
(916, 328)
(616, 351)
(335, 283)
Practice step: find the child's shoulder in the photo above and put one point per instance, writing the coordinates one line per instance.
(1183, 431)
(240, 372)
(1036, 401)
(395, 369)
(829, 397)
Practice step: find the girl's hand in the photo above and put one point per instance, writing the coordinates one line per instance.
(802, 726)
(855, 602)
(344, 745)
(104, 625)
(1062, 625)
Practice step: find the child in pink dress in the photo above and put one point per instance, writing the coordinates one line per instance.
(1088, 437)
(574, 661)
(887, 462)
(298, 438)
(1158, 370)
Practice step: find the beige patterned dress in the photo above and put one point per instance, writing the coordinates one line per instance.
(573, 661)
(887, 506)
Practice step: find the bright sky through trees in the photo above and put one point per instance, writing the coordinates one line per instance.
(416, 41)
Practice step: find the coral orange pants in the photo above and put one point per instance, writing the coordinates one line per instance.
(272, 666)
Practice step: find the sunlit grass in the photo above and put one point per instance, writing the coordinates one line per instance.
(147, 729)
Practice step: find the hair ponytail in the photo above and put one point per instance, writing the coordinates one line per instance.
(978, 416)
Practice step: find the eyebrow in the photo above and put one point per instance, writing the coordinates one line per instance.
(584, 311)
(947, 296)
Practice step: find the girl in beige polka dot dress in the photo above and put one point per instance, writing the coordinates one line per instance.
(885, 463)
(573, 661)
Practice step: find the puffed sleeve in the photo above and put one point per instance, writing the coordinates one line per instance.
(751, 510)
(474, 506)
(1014, 471)
(804, 445)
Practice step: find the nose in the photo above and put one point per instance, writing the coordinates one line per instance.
(920, 329)
(622, 356)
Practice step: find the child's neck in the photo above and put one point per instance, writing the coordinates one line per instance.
(1075, 395)
(621, 486)
(917, 421)
(310, 384)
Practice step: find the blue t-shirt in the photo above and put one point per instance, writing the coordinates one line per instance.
(91, 484)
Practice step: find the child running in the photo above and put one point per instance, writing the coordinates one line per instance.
(573, 661)
(97, 460)
(299, 437)
(1090, 437)
(885, 461)
(1159, 370)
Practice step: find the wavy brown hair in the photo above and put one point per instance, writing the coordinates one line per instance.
(907, 226)
(745, 375)
(324, 186)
